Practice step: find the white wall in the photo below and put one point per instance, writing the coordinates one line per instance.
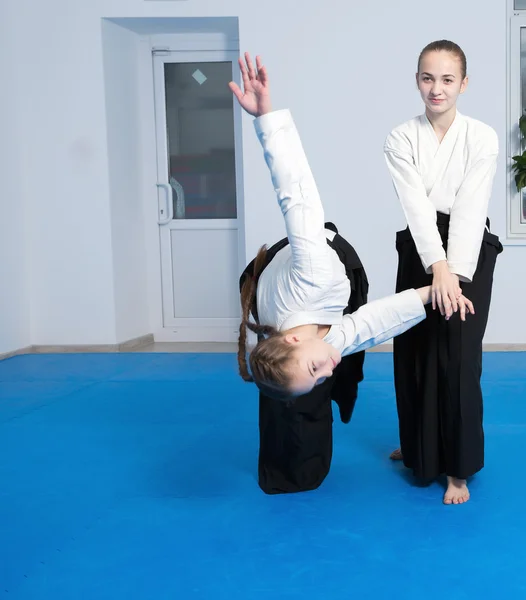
(64, 167)
(121, 48)
(14, 289)
(346, 71)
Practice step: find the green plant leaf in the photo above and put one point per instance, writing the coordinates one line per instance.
(520, 180)
(522, 125)
(520, 163)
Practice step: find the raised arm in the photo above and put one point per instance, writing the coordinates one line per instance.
(292, 178)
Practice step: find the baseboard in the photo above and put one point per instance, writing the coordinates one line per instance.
(143, 340)
(504, 347)
(146, 340)
(382, 348)
(26, 350)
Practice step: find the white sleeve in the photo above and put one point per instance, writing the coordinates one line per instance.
(297, 196)
(381, 320)
(419, 211)
(470, 209)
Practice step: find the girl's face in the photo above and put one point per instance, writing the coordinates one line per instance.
(440, 81)
(314, 361)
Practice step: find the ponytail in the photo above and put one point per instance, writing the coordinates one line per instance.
(248, 305)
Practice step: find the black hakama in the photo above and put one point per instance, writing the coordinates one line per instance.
(438, 366)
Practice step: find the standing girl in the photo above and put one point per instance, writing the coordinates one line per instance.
(442, 164)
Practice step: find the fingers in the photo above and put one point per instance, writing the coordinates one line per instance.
(454, 302)
(465, 307)
(236, 90)
(446, 301)
(263, 76)
(469, 305)
(450, 306)
(244, 73)
(439, 303)
(462, 307)
(251, 71)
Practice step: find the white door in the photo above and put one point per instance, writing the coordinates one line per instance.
(198, 194)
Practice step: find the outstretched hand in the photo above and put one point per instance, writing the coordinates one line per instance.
(255, 97)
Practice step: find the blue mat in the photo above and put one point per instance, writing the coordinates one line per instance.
(133, 476)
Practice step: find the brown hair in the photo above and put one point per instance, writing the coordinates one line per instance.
(446, 46)
(270, 359)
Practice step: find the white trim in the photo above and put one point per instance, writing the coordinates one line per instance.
(199, 42)
(149, 191)
(515, 229)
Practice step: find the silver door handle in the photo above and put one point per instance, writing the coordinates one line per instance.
(169, 204)
(180, 207)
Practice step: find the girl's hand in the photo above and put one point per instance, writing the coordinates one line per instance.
(445, 289)
(255, 99)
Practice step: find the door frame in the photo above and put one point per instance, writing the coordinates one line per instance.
(179, 43)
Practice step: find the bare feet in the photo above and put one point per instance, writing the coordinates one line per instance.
(396, 454)
(457, 491)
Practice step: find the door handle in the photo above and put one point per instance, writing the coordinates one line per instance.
(180, 207)
(169, 204)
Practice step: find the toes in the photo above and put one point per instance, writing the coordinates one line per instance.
(396, 454)
(453, 497)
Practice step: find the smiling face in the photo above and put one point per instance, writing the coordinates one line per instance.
(440, 80)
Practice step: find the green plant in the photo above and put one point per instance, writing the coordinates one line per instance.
(520, 160)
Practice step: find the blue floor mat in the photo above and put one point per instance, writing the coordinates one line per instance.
(134, 476)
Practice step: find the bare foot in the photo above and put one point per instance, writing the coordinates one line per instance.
(457, 491)
(396, 454)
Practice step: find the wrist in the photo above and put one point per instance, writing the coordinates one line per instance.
(425, 294)
(440, 266)
(265, 108)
